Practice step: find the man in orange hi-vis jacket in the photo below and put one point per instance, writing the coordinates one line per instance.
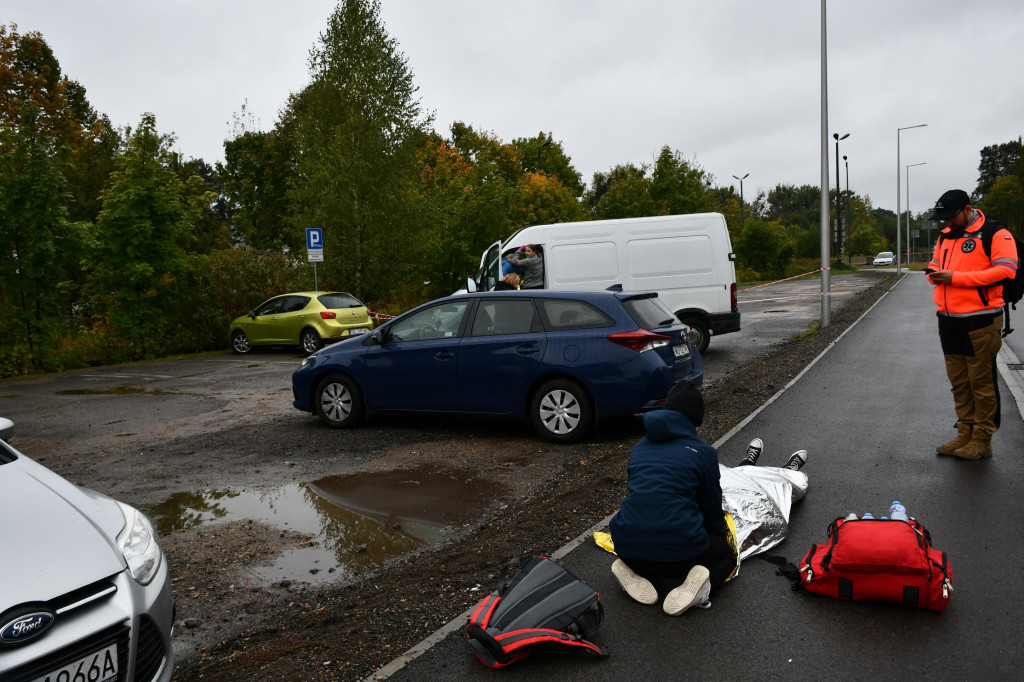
(972, 255)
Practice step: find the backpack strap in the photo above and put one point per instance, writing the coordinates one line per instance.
(784, 568)
(988, 231)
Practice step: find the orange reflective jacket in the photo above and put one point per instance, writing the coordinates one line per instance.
(974, 271)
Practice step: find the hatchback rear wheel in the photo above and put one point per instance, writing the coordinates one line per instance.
(562, 411)
(339, 402)
(310, 340)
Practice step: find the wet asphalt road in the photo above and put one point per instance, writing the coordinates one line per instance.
(870, 413)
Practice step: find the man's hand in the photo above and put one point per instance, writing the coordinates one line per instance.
(941, 277)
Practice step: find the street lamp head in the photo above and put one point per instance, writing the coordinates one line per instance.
(743, 178)
(837, 137)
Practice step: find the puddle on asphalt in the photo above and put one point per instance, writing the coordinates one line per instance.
(357, 521)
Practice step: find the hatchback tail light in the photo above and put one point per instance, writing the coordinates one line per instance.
(640, 340)
(328, 314)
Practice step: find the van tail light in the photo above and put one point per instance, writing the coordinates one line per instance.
(640, 340)
(328, 314)
(732, 297)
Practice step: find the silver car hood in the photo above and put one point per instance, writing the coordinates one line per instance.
(54, 536)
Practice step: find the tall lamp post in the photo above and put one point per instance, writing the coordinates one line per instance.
(909, 214)
(839, 194)
(898, 131)
(742, 205)
(846, 207)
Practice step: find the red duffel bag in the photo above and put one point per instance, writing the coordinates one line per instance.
(879, 560)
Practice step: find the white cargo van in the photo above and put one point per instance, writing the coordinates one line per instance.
(687, 259)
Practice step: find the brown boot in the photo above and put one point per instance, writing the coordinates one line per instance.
(963, 437)
(979, 448)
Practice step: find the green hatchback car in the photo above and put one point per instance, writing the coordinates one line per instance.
(308, 319)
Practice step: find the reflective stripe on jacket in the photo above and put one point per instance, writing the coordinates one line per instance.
(975, 273)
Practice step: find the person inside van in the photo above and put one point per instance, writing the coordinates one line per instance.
(532, 262)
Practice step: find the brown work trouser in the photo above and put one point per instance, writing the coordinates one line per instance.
(971, 367)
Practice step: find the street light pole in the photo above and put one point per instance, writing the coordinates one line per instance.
(909, 213)
(742, 213)
(898, 130)
(839, 193)
(826, 243)
(846, 210)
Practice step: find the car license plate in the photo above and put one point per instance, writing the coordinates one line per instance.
(357, 331)
(680, 350)
(96, 667)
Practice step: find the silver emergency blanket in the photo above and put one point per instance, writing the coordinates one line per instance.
(760, 499)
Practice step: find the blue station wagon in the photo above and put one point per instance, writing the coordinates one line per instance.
(560, 359)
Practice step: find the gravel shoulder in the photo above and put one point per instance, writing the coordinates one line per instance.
(231, 626)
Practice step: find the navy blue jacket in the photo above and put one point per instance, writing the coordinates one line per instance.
(675, 498)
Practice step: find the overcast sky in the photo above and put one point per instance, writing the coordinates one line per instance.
(732, 84)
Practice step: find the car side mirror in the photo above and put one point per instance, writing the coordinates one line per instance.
(470, 285)
(252, 314)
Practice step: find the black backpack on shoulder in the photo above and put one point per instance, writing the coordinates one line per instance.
(542, 604)
(1013, 287)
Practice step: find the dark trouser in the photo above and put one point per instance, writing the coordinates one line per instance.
(970, 346)
(719, 559)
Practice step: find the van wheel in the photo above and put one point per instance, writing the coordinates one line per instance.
(562, 411)
(339, 402)
(699, 335)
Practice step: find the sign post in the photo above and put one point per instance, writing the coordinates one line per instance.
(315, 250)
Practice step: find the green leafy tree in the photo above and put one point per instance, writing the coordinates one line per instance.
(543, 153)
(623, 192)
(34, 233)
(1005, 201)
(256, 173)
(356, 125)
(764, 249)
(680, 186)
(141, 278)
(996, 161)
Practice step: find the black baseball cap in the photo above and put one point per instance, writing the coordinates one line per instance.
(949, 203)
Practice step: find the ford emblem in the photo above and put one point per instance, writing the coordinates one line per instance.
(25, 628)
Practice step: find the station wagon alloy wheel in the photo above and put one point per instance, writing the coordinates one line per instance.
(562, 411)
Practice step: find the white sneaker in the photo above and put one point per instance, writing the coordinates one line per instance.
(694, 591)
(635, 586)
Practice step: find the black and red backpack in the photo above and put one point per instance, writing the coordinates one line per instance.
(542, 604)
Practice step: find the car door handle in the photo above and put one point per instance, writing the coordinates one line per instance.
(444, 355)
(527, 350)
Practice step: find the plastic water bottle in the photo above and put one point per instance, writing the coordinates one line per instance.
(897, 512)
(868, 515)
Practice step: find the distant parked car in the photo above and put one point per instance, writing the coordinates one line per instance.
(308, 319)
(85, 593)
(884, 258)
(561, 359)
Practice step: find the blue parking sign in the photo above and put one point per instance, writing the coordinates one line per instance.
(314, 239)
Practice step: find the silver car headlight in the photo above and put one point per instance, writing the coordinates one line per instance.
(137, 542)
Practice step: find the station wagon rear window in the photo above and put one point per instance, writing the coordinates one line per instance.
(560, 314)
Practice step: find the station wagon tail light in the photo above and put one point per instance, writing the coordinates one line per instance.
(640, 340)
(328, 314)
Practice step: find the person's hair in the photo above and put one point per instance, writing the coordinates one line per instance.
(537, 249)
